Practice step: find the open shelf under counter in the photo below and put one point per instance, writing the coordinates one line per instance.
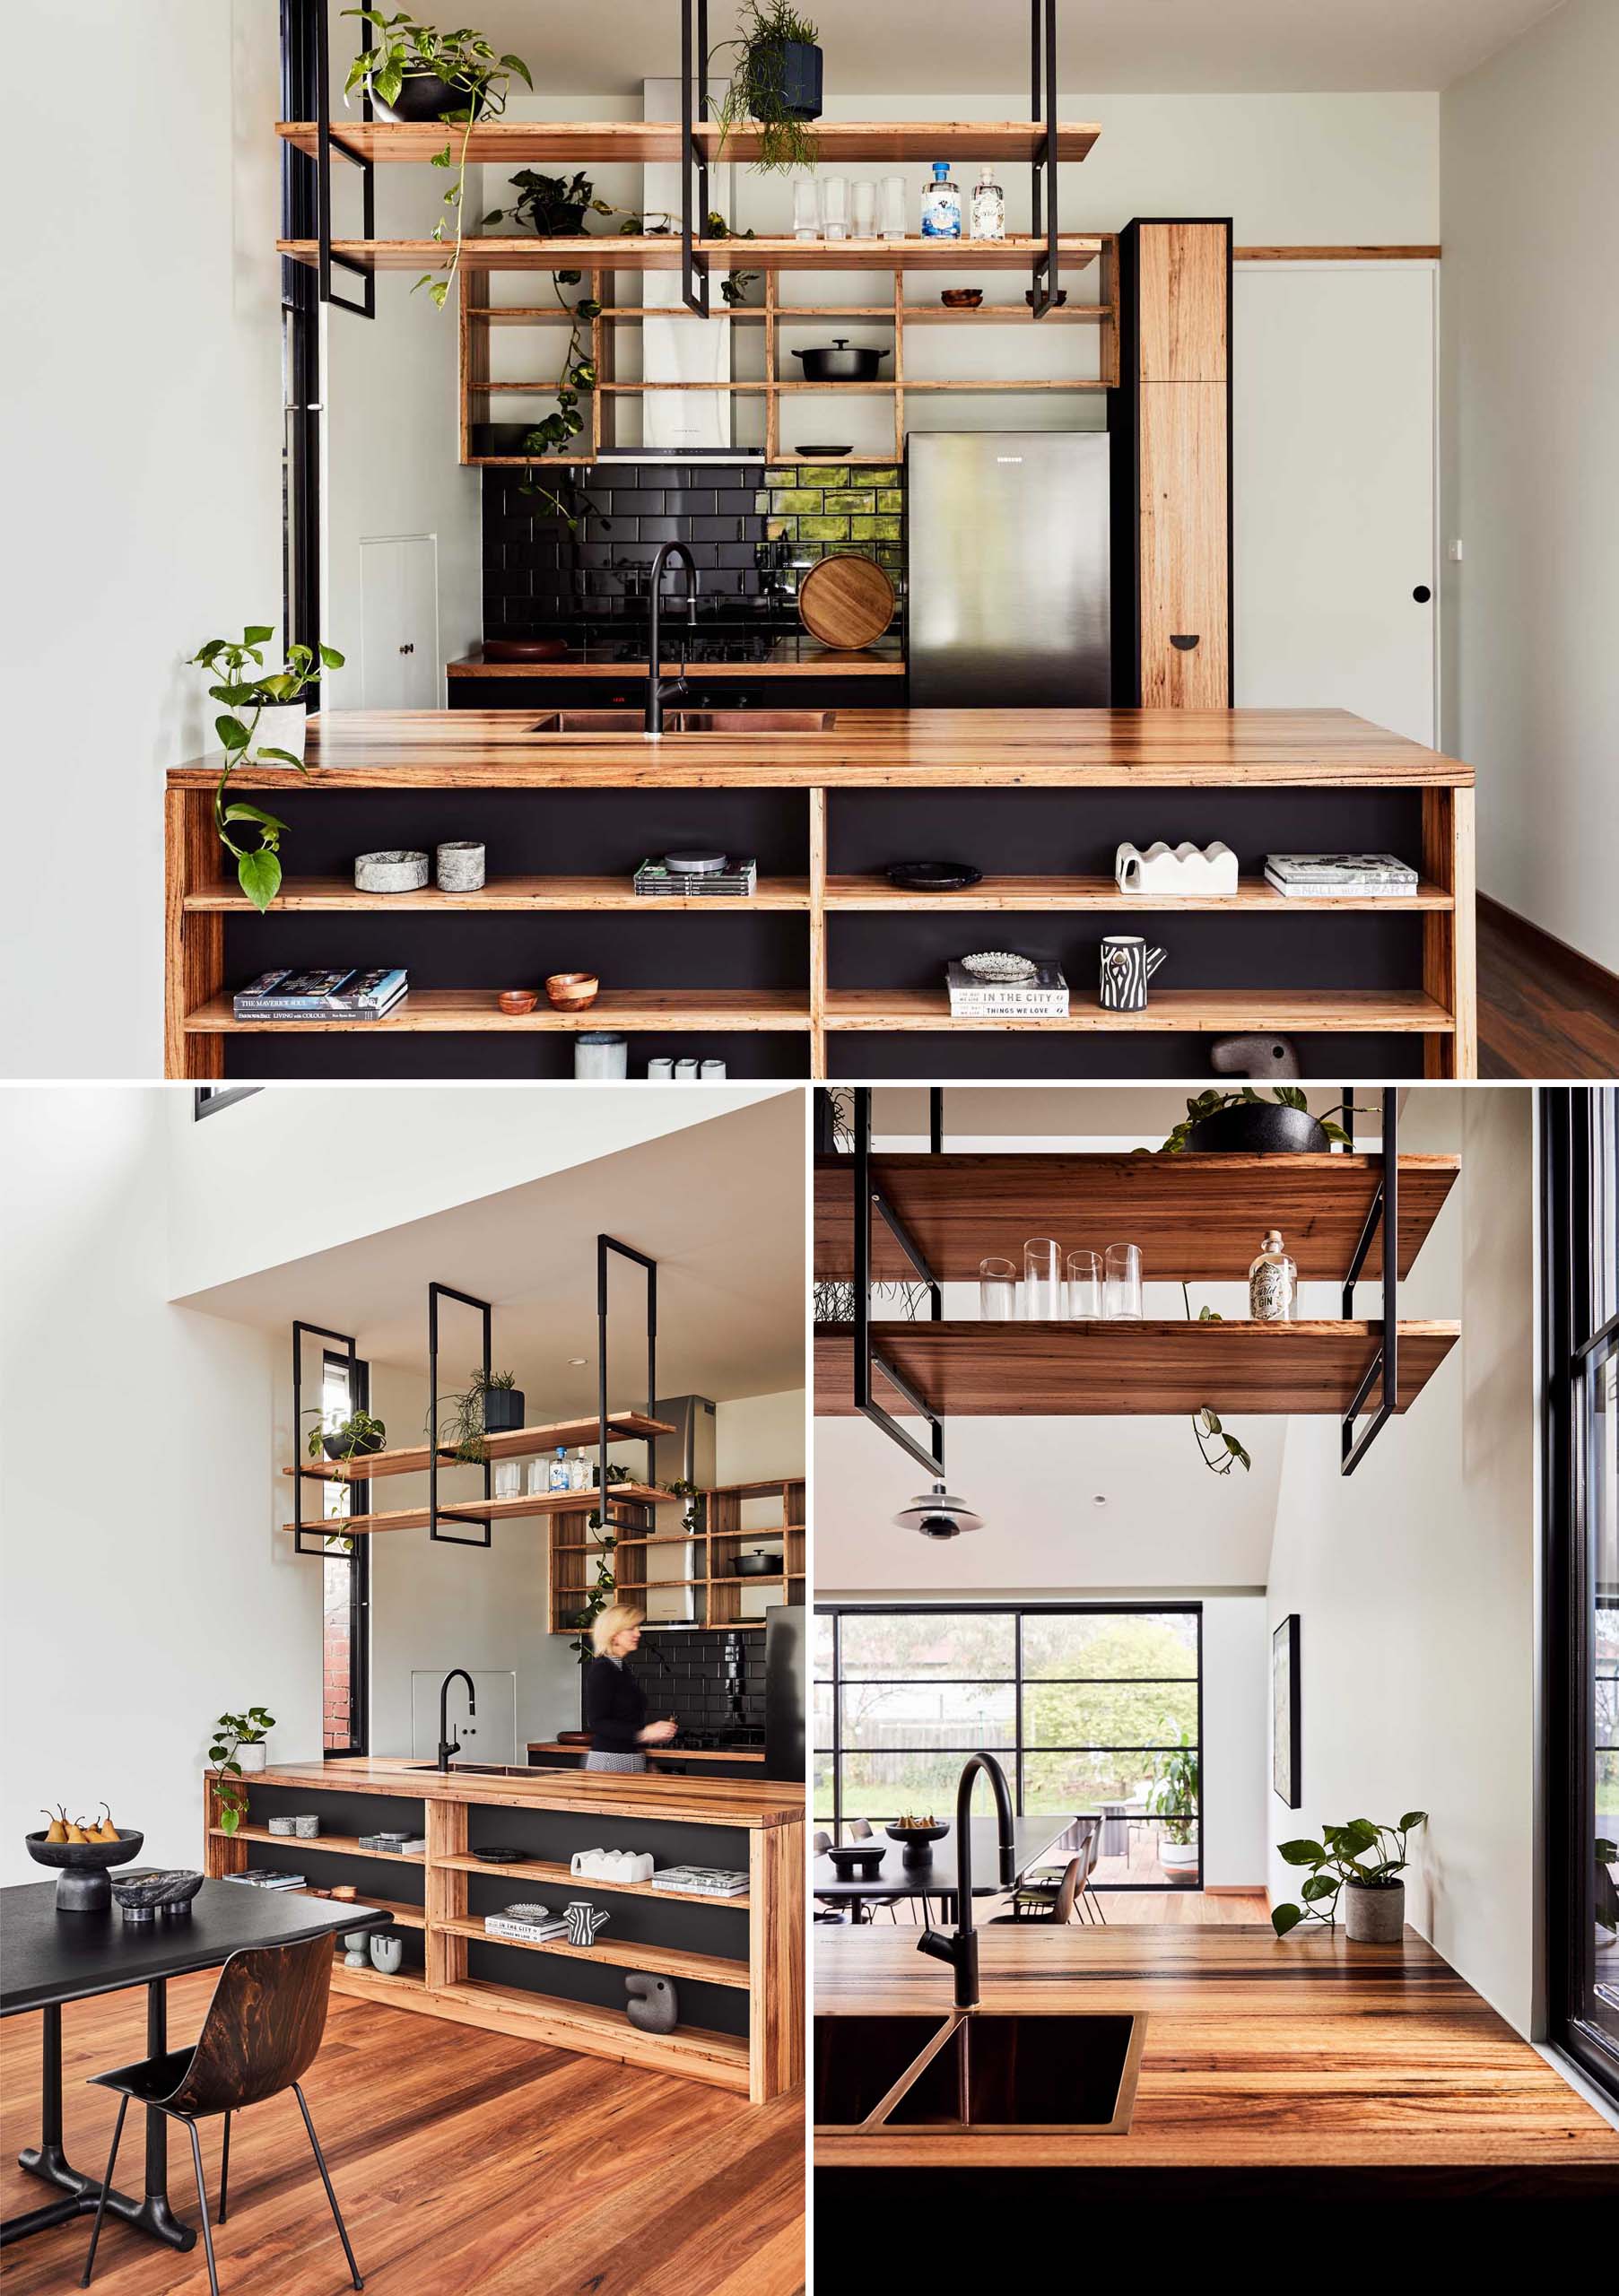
(721, 2059)
(1336, 1011)
(1196, 1218)
(582, 142)
(338, 895)
(457, 1011)
(559, 1877)
(1090, 892)
(337, 1844)
(666, 1961)
(399, 1988)
(1132, 1367)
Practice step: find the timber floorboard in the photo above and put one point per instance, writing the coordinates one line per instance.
(463, 2161)
(1539, 1016)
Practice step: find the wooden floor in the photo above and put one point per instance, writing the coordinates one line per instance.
(1127, 1909)
(1540, 1016)
(463, 2161)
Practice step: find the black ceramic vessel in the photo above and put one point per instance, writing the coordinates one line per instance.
(918, 1842)
(161, 1890)
(502, 1411)
(856, 1858)
(801, 79)
(1257, 1128)
(82, 1885)
(351, 1446)
(424, 96)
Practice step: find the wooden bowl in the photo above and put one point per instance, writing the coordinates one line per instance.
(519, 1000)
(572, 991)
(961, 298)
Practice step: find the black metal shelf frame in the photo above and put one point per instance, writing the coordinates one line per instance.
(435, 1513)
(1383, 1371)
(605, 1246)
(315, 59)
(359, 1396)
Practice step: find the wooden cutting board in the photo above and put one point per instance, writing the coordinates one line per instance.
(846, 602)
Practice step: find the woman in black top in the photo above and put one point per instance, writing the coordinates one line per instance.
(616, 1705)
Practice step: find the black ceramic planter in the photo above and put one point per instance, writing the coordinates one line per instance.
(502, 1411)
(351, 1446)
(801, 79)
(1257, 1128)
(424, 96)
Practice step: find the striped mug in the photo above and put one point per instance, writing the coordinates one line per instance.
(1128, 964)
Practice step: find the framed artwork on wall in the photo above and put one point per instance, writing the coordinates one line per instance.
(1285, 1710)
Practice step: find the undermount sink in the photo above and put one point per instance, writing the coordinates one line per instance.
(977, 2070)
(476, 1768)
(687, 721)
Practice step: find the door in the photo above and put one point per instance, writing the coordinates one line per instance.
(399, 664)
(1336, 537)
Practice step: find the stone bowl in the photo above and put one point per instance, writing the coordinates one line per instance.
(83, 1867)
(572, 991)
(390, 873)
(161, 1890)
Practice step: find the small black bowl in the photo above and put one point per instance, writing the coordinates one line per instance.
(497, 1857)
(932, 876)
(856, 1860)
(157, 1890)
(83, 1865)
(918, 1840)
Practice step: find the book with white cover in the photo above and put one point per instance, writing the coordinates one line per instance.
(703, 1881)
(532, 1933)
(1346, 872)
(1044, 995)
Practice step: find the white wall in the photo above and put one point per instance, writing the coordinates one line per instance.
(1236, 1729)
(142, 398)
(1413, 1580)
(145, 1589)
(758, 1437)
(1531, 466)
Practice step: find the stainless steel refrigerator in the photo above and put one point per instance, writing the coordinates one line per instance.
(786, 1689)
(1007, 603)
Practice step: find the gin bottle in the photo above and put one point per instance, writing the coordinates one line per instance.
(1273, 1283)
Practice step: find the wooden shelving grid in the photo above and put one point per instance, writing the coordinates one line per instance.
(701, 1560)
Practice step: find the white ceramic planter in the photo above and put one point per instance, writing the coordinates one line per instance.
(1178, 1859)
(281, 725)
(1374, 1917)
(252, 1757)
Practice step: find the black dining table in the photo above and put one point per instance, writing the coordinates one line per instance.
(51, 1957)
(1033, 1839)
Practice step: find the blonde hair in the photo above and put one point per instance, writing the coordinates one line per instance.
(617, 1619)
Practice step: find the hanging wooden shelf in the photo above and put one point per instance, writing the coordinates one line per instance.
(517, 1443)
(488, 1511)
(584, 142)
(1117, 1369)
(660, 251)
(1197, 1219)
(716, 1546)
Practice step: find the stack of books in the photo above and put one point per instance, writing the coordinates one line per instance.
(264, 1877)
(738, 879)
(335, 992)
(531, 1930)
(1042, 996)
(703, 1881)
(1370, 877)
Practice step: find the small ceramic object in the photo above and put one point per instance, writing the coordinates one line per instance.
(685, 1072)
(694, 865)
(961, 298)
(1184, 868)
(572, 991)
(519, 1000)
(357, 1940)
(1272, 1058)
(83, 1867)
(388, 1953)
(653, 2005)
(390, 873)
(584, 1920)
(999, 965)
(281, 1825)
(306, 1826)
(659, 1072)
(1058, 299)
(168, 1890)
(458, 868)
(713, 1072)
(1128, 964)
(601, 1056)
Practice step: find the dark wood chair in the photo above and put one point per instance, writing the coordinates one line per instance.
(262, 2030)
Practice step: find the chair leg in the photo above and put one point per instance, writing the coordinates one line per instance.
(225, 2169)
(1100, 1912)
(326, 2181)
(202, 2203)
(89, 2261)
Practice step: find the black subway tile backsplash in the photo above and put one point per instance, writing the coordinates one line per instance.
(693, 1680)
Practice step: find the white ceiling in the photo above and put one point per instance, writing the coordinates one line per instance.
(719, 1205)
(1105, 47)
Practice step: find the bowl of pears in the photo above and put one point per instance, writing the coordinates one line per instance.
(83, 1852)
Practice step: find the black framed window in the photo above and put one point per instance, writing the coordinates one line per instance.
(1092, 1708)
(207, 1099)
(346, 1583)
(302, 26)
(1580, 1145)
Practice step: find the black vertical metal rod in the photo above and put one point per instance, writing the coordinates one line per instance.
(1036, 209)
(1049, 296)
(1391, 1252)
(862, 1203)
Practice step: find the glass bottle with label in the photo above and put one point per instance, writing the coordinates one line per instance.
(989, 218)
(1273, 1283)
(941, 204)
(578, 1471)
(559, 1469)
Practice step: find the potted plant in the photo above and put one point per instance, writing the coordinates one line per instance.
(1364, 1863)
(355, 1438)
(237, 1744)
(416, 72)
(1245, 1123)
(491, 1404)
(776, 82)
(1174, 1800)
(248, 694)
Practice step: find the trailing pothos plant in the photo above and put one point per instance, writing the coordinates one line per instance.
(357, 1430)
(1220, 1447)
(245, 694)
(1337, 1858)
(465, 62)
(228, 1735)
(597, 1598)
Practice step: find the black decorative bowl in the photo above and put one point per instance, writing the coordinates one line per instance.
(82, 1866)
(918, 1842)
(494, 1855)
(932, 876)
(1257, 1128)
(165, 1889)
(856, 1860)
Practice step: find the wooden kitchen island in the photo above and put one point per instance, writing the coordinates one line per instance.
(1295, 2067)
(828, 968)
(737, 1963)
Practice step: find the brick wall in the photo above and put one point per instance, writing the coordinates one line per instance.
(337, 1657)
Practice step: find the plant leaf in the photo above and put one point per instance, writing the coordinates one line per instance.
(1413, 1818)
(257, 633)
(1284, 1917)
(260, 876)
(1301, 1853)
(230, 1818)
(231, 732)
(1320, 1885)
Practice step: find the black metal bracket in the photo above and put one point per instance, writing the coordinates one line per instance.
(1042, 69)
(867, 1199)
(693, 153)
(605, 1247)
(1383, 1371)
(435, 1513)
(359, 1494)
(326, 144)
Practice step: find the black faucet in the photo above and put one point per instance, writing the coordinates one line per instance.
(962, 1951)
(447, 1744)
(657, 689)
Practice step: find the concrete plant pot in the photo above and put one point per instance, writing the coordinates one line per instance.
(281, 725)
(1374, 1917)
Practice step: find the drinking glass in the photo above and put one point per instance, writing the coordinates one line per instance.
(1043, 1278)
(834, 207)
(893, 207)
(1123, 1279)
(863, 204)
(509, 1478)
(1084, 1286)
(807, 209)
(998, 1291)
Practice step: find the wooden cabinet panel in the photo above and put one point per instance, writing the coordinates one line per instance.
(1185, 512)
(1184, 271)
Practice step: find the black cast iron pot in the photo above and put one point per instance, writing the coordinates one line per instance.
(841, 362)
(1257, 1128)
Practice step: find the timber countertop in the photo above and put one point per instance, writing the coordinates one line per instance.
(703, 1801)
(497, 749)
(1260, 2053)
(787, 657)
(655, 1753)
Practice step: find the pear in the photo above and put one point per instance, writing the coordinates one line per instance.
(76, 1829)
(106, 1830)
(56, 1830)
